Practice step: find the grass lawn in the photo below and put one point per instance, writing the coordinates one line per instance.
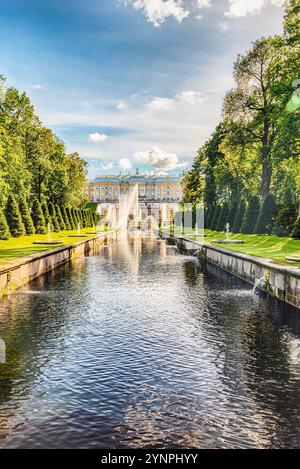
(15, 248)
(265, 246)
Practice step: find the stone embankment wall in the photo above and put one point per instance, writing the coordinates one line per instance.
(283, 282)
(28, 268)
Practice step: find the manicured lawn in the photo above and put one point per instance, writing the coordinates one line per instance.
(15, 248)
(269, 247)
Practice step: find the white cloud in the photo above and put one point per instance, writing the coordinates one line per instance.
(203, 3)
(156, 11)
(159, 159)
(240, 8)
(38, 86)
(160, 104)
(96, 137)
(108, 165)
(190, 97)
(125, 163)
(122, 105)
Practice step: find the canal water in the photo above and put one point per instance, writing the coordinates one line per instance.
(138, 346)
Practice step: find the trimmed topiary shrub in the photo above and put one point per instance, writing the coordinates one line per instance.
(208, 216)
(232, 214)
(215, 218)
(47, 216)
(70, 217)
(13, 217)
(4, 228)
(223, 218)
(239, 217)
(296, 230)
(52, 212)
(66, 218)
(60, 219)
(251, 215)
(285, 220)
(266, 215)
(26, 217)
(38, 218)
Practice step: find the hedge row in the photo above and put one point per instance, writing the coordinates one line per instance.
(17, 219)
(256, 217)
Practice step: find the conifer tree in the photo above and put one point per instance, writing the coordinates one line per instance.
(216, 216)
(223, 218)
(296, 230)
(70, 217)
(66, 218)
(4, 228)
(13, 217)
(238, 221)
(266, 215)
(52, 212)
(47, 216)
(251, 215)
(38, 218)
(26, 217)
(60, 219)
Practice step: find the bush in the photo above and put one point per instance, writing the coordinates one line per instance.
(215, 218)
(285, 220)
(26, 217)
(296, 230)
(60, 219)
(251, 215)
(4, 228)
(52, 212)
(239, 217)
(223, 218)
(266, 215)
(13, 217)
(38, 218)
(66, 218)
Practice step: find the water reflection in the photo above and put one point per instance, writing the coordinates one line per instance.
(137, 345)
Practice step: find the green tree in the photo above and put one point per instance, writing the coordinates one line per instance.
(38, 217)
(296, 230)
(26, 217)
(66, 218)
(266, 215)
(13, 217)
(238, 221)
(4, 228)
(47, 217)
(52, 212)
(251, 215)
(223, 218)
(214, 223)
(71, 218)
(60, 219)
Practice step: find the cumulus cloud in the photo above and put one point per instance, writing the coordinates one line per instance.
(38, 86)
(96, 137)
(122, 105)
(190, 97)
(165, 104)
(160, 104)
(159, 159)
(107, 165)
(156, 11)
(125, 163)
(240, 8)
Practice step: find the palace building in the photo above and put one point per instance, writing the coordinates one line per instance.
(139, 194)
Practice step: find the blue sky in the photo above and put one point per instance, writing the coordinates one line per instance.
(130, 83)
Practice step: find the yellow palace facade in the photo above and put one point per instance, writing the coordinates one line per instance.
(141, 194)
